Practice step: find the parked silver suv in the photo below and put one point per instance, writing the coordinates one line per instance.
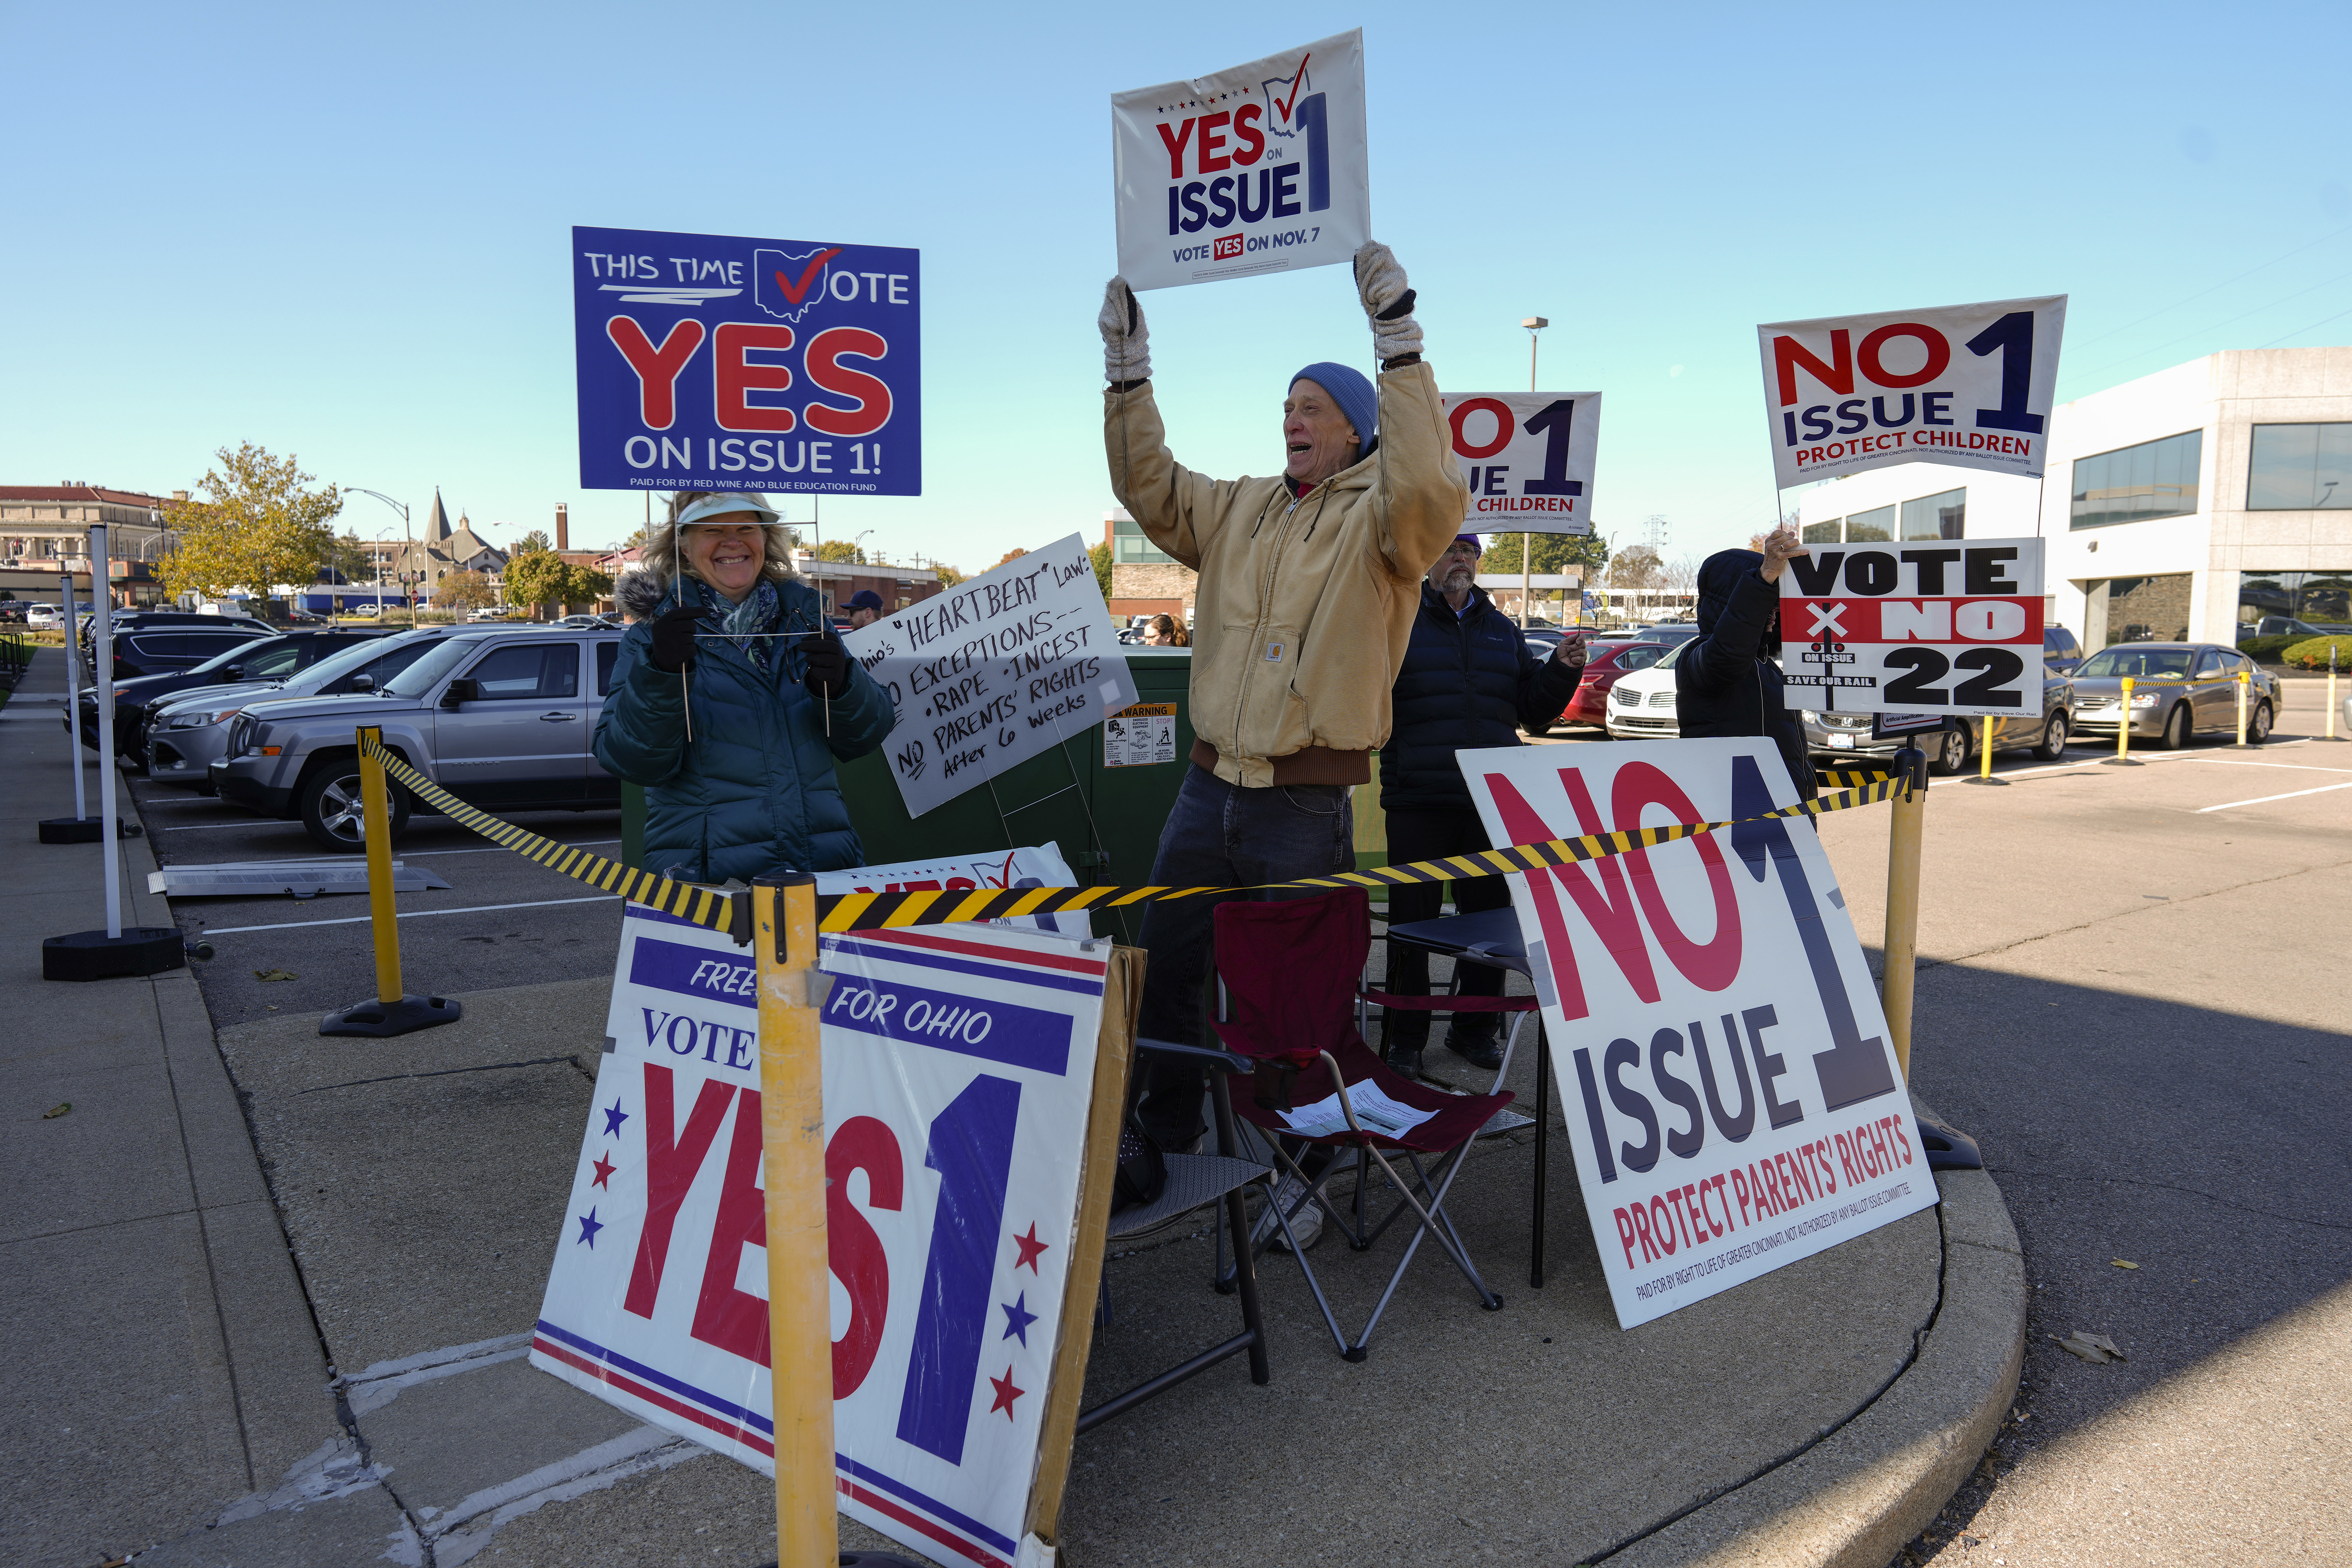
(502, 717)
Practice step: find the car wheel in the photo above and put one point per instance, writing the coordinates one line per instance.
(1952, 753)
(2258, 724)
(2053, 737)
(2175, 729)
(330, 809)
(1540, 730)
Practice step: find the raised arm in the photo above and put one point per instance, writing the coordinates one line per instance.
(1418, 498)
(1177, 508)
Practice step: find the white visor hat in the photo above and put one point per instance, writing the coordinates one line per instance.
(717, 506)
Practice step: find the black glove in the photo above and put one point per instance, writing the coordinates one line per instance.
(673, 637)
(828, 666)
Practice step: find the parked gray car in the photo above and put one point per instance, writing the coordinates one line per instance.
(181, 736)
(501, 717)
(1840, 737)
(2179, 689)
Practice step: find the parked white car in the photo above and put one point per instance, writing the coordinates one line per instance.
(1642, 705)
(44, 618)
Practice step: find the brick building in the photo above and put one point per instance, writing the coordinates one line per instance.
(1143, 580)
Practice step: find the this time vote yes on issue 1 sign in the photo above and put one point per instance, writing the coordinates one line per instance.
(1944, 627)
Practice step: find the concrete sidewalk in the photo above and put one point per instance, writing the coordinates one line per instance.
(187, 1393)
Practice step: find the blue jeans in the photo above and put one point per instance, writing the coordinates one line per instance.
(1221, 835)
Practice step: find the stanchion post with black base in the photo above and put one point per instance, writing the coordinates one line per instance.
(1948, 1149)
(392, 1012)
(2123, 757)
(116, 952)
(81, 828)
(1989, 729)
(800, 1310)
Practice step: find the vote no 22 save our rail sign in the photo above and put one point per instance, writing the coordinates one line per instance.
(1966, 385)
(1929, 629)
(1257, 169)
(716, 362)
(1527, 457)
(958, 1083)
(1723, 1062)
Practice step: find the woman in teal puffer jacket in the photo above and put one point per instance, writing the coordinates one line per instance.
(731, 646)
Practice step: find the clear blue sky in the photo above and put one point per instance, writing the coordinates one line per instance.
(342, 232)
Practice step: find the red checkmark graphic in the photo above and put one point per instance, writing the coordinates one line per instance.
(1283, 104)
(794, 292)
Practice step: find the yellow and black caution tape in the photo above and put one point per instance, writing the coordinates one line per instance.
(703, 906)
(892, 911)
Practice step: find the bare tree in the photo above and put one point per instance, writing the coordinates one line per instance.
(1636, 567)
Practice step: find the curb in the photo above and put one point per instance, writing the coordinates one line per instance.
(1853, 1498)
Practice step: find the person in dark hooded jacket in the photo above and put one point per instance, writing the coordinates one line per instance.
(1725, 681)
(1468, 682)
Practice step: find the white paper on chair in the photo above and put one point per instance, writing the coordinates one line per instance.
(1375, 1112)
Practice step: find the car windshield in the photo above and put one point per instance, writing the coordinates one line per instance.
(421, 677)
(1672, 653)
(359, 655)
(235, 654)
(2140, 664)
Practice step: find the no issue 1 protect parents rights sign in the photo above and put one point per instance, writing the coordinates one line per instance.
(721, 362)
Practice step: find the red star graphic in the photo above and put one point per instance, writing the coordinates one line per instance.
(1030, 1247)
(604, 1168)
(1005, 1392)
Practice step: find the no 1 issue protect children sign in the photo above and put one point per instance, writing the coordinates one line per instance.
(1257, 169)
(1966, 385)
(1723, 1063)
(1930, 629)
(959, 1075)
(721, 363)
(1527, 457)
(993, 672)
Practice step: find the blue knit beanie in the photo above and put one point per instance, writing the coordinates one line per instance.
(1353, 394)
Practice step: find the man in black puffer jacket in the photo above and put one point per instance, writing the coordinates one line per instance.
(1468, 682)
(1726, 682)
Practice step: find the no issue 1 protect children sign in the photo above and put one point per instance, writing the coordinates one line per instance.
(1257, 169)
(1527, 457)
(716, 361)
(1966, 385)
(1723, 1062)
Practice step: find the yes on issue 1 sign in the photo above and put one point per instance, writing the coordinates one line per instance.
(723, 362)
(1723, 1062)
(1527, 457)
(958, 1087)
(1966, 385)
(993, 672)
(1257, 169)
(1923, 628)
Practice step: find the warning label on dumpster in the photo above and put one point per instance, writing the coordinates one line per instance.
(1139, 736)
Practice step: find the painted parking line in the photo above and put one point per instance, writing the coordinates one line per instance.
(2300, 767)
(2263, 800)
(417, 914)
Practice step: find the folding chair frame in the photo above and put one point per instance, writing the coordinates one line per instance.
(1231, 1210)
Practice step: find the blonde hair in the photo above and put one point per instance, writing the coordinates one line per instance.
(662, 557)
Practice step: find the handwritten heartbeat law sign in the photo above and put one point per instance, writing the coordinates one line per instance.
(1257, 169)
(993, 672)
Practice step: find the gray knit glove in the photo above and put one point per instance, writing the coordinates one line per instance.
(1127, 342)
(1387, 300)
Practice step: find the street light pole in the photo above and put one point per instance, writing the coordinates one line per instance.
(1534, 324)
(407, 595)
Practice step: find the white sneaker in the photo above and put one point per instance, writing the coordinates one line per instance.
(1306, 1225)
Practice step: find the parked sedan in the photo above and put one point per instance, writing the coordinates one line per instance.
(1608, 664)
(184, 733)
(2179, 689)
(1843, 737)
(1641, 705)
(234, 658)
(168, 649)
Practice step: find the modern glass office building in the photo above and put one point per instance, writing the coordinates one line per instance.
(2209, 502)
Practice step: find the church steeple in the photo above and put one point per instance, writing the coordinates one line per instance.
(436, 525)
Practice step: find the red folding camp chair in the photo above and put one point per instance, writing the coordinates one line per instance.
(1287, 974)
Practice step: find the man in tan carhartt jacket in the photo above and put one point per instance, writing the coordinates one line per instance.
(1308, 586)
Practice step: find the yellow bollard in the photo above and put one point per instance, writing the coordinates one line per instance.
(2243, 678)
(1989, 731)
(1901, 949)
(2122, 758)
(791, 1122)
(392, 1012)
(2331, 735)
(375, 808)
